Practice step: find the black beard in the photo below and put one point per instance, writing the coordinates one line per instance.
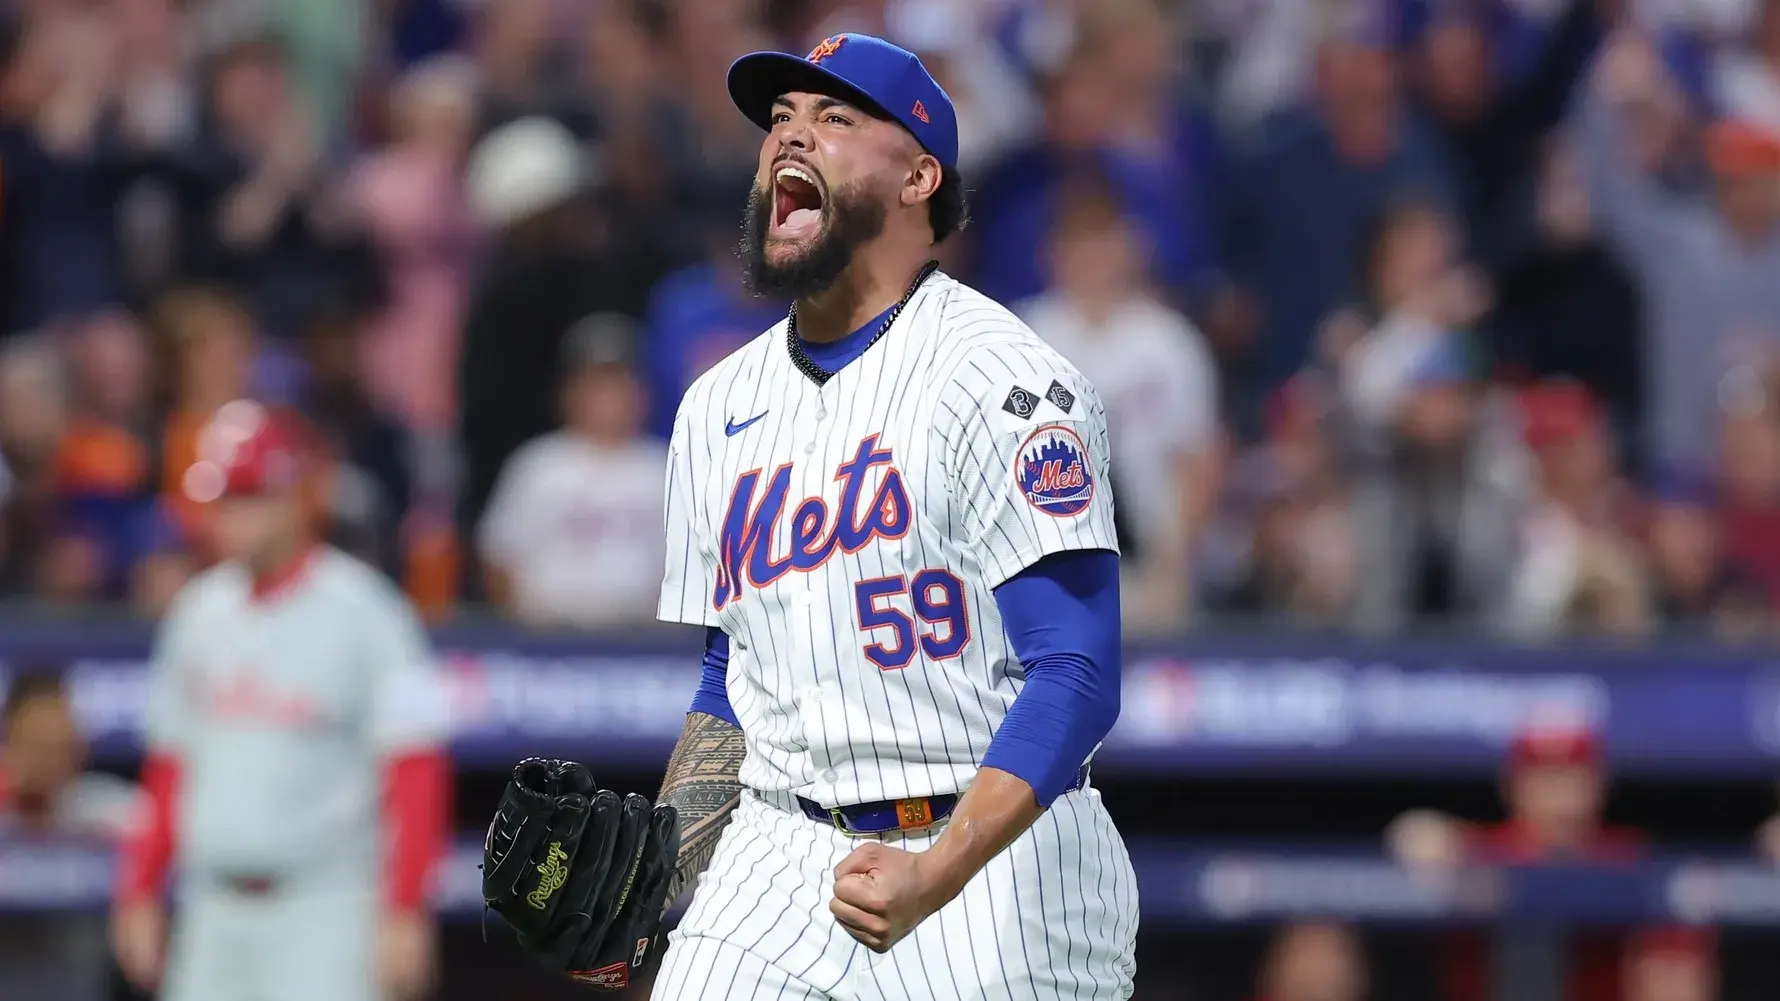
(852, 218)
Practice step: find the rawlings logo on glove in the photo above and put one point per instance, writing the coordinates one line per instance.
(580, 873)
(552, 874)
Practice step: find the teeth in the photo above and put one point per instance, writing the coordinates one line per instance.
(785, 172)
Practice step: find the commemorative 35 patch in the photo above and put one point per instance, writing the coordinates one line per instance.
(1052, 471)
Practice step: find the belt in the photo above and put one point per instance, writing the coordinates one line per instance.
(891, 816)
(250, 886)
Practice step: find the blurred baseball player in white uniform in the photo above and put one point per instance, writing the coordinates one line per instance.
(891, 515)
(295, 777)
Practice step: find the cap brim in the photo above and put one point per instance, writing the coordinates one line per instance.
(759, 79)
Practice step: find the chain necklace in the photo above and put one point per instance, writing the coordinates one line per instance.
(816, 373)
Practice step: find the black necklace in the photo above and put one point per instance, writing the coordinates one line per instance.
(819, 375)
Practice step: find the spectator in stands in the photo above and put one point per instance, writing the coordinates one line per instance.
(696, 316)
(106, 494)
(1301, 199)
(1696, 584)
(1157, 381)
(1672, 964)
(1283, 541)
(571, 535)
(512, 52)
(1314, 961)
(1110, 110)
(1749, 479)
(667, 183)
(269, 218)
(45, 795)
(1429, 449)
(1746, 77)
(620, 65)
(1566, 305)
(996, 107)
(371, 482)
(209, 342)
(557, 259)
(1268, 50)
(707, 150)
(33, 414)
(1493, 127)
(1555, 791)
(153, 117)
(1256, 545)
(58, 222)
(325, 44)
(1706, 269)
(410, 194)
(1577, 571)
(43, 790)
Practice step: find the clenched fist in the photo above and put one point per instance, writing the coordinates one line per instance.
(882, 893)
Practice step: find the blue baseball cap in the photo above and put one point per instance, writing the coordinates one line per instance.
(869, 72)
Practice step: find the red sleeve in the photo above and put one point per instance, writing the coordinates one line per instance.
(147, 850)
(416, 813)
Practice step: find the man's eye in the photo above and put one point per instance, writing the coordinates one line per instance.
(780, 117)
(837, 120)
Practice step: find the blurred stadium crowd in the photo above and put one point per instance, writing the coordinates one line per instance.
(1402, 309)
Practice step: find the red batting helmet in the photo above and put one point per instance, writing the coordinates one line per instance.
(247, 449)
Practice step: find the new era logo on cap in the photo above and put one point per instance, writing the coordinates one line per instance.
(921, 112)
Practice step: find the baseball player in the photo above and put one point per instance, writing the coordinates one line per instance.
(294, 770)
(890, 514)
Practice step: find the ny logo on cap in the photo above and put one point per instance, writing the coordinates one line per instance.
(921, 113)
(828, 47)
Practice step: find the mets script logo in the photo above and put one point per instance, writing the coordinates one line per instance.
(827, 47)
(551, 875)
(745, 544)
(1052, 470)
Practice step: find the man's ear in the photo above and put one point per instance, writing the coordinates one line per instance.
(922, 181)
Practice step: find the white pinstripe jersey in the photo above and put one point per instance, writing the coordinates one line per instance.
(847, 537)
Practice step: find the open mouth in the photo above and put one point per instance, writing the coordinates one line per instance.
(797, 202)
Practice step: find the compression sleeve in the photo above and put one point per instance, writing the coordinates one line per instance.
(147, 851)
(1062, 616)
(417, 817)
(712, 697)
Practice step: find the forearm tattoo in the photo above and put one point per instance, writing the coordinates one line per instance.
(702, 784)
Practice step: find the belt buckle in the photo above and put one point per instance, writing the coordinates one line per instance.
(839, 820)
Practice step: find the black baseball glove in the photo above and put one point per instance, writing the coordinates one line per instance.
(581, 874)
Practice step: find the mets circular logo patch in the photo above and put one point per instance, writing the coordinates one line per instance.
(1052, 471)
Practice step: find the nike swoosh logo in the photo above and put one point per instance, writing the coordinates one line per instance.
(731, 428)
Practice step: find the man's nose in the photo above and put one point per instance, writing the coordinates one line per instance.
(793, 135)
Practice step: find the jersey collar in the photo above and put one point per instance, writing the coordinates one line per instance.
(282, 581)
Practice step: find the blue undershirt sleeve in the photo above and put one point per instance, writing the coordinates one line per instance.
(712, 697)
(1062, 616)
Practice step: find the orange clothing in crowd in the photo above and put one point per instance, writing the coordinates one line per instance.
(179, 450)
(97, 458)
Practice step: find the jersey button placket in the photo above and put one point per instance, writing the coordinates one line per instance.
(809, 447)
